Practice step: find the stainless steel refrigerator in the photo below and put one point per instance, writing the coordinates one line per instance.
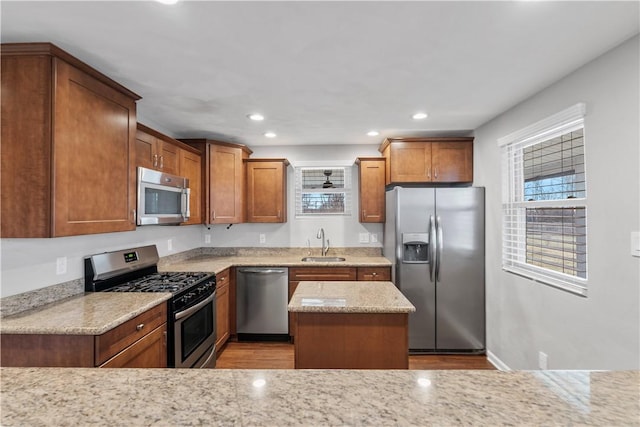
(435, 239)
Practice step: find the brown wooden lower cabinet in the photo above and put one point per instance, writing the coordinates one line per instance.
(352, 341)
(149, 351)
(140, 342)
(222, 308)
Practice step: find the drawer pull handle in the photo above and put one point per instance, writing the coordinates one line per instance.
(139, 327)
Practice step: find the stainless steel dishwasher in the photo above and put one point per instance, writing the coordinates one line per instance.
(262, 296)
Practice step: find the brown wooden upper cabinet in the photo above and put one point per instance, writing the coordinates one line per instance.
(68, 146)
(266, 190)
(224, 177)
(435, 160)
(372, 187)
(155, 150)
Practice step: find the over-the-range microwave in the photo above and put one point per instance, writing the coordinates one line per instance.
(162, 198)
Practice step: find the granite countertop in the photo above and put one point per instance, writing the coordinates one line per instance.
(85, 314)
(217, 264)
(58, 396)
(349, 297)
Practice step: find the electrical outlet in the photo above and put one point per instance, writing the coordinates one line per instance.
(374, 237)
(263, 238)
(543, 360)
(207, 238)
(61, 265)
(364, 237)
(170, 245)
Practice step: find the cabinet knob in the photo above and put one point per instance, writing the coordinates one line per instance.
(133, 215)
(213, 215)
(374, 274)
(139, 327)
(155, 160)
(435, 173)
(429, 173)
(161, 162)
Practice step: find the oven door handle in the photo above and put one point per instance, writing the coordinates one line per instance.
(191, 310)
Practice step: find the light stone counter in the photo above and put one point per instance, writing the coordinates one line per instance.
(87, 314)
(217, 264)
(170, 397)
(349, 297)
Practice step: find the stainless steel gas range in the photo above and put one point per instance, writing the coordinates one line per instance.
(191, 316)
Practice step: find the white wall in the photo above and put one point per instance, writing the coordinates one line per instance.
(29, 264)
(342, 231)
(601, 331)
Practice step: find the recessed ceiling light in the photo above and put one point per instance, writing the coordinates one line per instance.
(373, 133)
(270, 134)
(419, 116)
(167, 1)
(255, 116)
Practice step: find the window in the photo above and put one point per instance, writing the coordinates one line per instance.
(323, 191)
(544, 208)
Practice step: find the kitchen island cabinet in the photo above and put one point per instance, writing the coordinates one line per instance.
(350, 325)
(101, 329)
(67, 130)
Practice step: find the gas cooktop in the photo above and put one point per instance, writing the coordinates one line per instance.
(160, 282)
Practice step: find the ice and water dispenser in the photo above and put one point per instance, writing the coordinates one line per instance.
(415, 248)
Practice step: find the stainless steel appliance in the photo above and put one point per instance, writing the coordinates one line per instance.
(262, 297)
(191, 323)
(435, 240)
(162, 198)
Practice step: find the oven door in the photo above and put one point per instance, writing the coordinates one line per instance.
(162, 198)
(195, 335)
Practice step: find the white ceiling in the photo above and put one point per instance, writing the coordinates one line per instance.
(326, 72)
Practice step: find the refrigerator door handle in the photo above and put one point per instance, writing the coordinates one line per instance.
(432, 248)
(439, 243)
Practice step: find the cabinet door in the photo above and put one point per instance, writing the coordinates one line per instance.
(452, 161)
(226, 185)
(222, 310)
(191, 168)
(266, 191)
(168, 158)
(94, 146)
(149, 352)
(372, 199)
(410, 162)
(146, 152)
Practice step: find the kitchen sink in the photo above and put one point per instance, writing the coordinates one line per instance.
(322, 259)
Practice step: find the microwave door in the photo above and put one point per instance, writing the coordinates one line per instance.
(158, 204)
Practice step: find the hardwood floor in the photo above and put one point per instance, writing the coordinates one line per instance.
(269, 355)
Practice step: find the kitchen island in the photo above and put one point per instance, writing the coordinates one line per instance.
(350, 325)
(73, 396)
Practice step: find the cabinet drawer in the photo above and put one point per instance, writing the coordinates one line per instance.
(374, 274)
(148, 352)
(114, 341)
(322, 273)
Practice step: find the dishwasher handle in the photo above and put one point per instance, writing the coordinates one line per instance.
(261, 271)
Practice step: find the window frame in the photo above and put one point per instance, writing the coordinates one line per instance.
(514, 204)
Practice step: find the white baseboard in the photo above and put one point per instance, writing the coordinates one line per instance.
(495, 361)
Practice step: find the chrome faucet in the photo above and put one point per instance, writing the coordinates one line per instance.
(325, 247)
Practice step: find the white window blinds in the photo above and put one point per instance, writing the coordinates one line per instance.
(544, 209)
(323, 191)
